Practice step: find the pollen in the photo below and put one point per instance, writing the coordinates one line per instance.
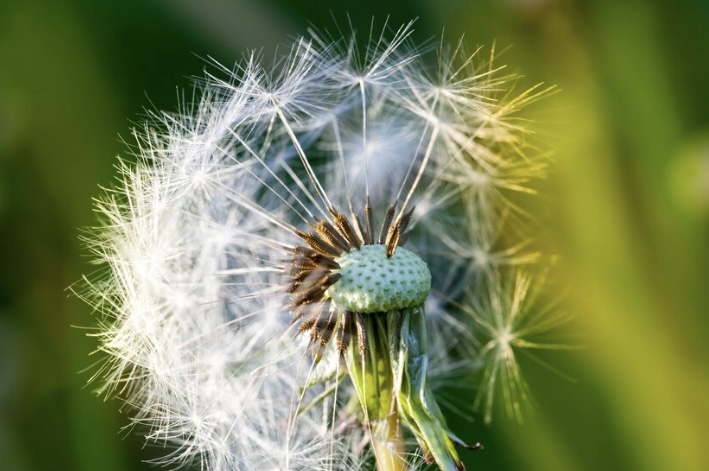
(370, 281)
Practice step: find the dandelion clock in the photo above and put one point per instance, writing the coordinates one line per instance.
(300, 254)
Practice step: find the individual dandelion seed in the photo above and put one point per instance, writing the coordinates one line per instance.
(307, 200)
(512, 320)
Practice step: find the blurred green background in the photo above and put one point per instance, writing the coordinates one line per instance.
(627, 204)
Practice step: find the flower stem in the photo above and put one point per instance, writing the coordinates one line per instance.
(388, 445)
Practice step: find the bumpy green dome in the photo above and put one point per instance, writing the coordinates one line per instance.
(371, 282)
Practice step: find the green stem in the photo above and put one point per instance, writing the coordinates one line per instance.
(388, 445)
(389, 377)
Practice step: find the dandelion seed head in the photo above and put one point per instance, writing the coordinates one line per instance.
(271, 215)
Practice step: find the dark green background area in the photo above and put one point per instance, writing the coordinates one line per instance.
(627, 205)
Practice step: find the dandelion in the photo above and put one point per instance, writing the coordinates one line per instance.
(289, 252)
